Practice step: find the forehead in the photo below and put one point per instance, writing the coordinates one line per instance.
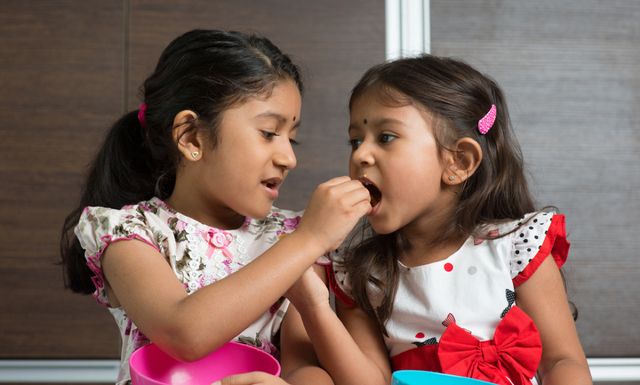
(376, 111)
(283, 95)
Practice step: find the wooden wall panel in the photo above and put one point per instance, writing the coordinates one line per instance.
(61, 75)
(63, 68)
(570, 70)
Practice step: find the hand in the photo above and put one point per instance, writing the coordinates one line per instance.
(334, 209)
(252, 378)
(308, 291)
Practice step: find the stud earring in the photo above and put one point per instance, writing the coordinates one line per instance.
(451, 177)
(194, 154)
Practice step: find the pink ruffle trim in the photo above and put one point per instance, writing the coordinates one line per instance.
(93, 262)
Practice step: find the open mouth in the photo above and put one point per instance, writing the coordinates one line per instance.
(268, 184)
(271, 183)
(376, 195)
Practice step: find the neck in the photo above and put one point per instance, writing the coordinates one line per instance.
(427, 242)
(219, 217)
(424, 254)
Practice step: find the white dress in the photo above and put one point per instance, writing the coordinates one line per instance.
(198, 254)
(474, 289)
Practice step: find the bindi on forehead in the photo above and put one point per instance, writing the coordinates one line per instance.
(365, 121)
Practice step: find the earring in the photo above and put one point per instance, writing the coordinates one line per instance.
(194, 154)
(451, 177)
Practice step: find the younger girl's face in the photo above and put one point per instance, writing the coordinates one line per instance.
(396, 156)
(243, 173)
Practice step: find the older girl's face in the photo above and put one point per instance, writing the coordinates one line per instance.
(395, 154)
(254, 154)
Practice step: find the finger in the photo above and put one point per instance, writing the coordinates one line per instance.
(251, 378)
(356, 193)
(337, 181)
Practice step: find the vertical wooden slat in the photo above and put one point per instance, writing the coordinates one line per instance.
(61, 68)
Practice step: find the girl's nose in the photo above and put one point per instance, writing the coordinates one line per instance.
(285, 157)
(362, 155)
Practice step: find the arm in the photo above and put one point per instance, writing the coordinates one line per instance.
(298, 357)
(543, 298)
(299, 362)
(350, 348)
(189, 327)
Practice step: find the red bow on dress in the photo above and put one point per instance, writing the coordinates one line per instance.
(512, 357)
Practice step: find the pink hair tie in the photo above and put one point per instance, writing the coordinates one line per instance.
(487, 121)
(141, 112)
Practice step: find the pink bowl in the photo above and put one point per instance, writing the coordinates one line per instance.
(151, 366)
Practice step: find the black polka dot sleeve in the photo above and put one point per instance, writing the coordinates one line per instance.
(538, 237)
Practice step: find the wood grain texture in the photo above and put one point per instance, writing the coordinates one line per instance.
(571, 74)
(61, 74)
(63, 68)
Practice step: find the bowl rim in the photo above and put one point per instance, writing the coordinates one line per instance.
(139, 350)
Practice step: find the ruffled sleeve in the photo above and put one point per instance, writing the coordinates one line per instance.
(541, 235)
(98, 227)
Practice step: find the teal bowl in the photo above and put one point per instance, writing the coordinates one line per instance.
(420, 377)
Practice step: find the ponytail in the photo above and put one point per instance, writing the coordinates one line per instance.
(121, 174)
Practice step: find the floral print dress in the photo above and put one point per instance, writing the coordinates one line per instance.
(198, 254)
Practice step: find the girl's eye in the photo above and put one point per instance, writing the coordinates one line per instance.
(386, 138)
(355, 143)
(269, 135)
(293, 142)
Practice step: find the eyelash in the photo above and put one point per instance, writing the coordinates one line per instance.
(270, 135)
(354, 142)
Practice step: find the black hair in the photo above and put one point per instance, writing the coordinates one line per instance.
(456, 96)
(205, 71)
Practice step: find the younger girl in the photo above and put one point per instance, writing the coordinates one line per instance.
(176, 233)
(458, 272)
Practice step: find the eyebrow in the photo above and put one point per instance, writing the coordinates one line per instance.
(377, 123)
(280, 118)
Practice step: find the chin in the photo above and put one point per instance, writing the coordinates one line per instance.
(259, 214)
(381, 227)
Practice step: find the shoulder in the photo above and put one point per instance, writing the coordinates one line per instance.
(100, 225)
(533, 238)
(277, 220)
(276, 225)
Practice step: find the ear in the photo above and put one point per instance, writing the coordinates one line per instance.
(462, 162)
(188, 140)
